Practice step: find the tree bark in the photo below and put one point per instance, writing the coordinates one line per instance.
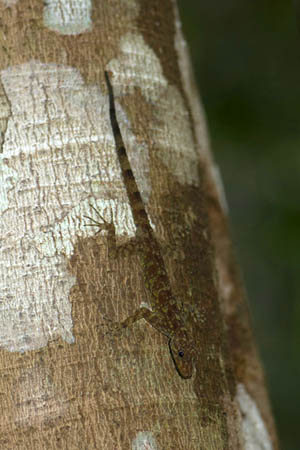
(67, 381)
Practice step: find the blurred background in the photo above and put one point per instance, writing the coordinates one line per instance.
(246, 61)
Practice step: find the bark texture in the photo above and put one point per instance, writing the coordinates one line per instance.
(66, 382)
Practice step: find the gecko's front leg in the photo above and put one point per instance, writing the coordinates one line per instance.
(141, 313)
(103, 226)
(114, 249)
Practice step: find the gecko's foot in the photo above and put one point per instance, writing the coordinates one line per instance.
(102, 226)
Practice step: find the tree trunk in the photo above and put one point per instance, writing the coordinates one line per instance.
(67, 379)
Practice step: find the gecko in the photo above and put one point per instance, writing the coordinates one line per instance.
(166, 314)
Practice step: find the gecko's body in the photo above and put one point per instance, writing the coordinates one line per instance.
(166, 314)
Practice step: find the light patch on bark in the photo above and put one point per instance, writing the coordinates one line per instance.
(68, 16)
(9, 3)
(133, 6)
(144, 441)
(254, 431)
(175, 138)
(58, 158)
(139, 66)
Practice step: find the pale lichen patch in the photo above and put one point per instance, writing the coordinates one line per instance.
(68, 16)
(254, 431)
(58, 157)
(144, 440)
(133, 6)
(9, 3)
(138, 66)
(175, 138)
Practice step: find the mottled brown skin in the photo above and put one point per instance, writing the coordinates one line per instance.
(166, 315)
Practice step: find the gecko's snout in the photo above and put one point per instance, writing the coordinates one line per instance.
(182, 355)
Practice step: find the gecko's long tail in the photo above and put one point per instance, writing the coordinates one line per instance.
(137, 205)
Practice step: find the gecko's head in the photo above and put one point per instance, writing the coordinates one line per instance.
(182, 354)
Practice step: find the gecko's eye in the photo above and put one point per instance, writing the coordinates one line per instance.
(181, 353)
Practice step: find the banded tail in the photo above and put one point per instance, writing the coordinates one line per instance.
(135, 200)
